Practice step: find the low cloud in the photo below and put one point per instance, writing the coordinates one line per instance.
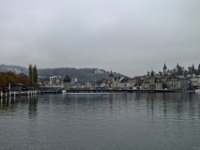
(129, 37)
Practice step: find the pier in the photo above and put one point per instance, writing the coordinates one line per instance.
(118, 91)
(17, 93)
(59, 90)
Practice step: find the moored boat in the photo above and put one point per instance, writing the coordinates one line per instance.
(63, 91)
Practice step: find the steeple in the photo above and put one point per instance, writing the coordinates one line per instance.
(152, 73)
(164, 69)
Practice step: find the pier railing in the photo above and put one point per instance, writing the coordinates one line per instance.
(34, 92)
(117, 91)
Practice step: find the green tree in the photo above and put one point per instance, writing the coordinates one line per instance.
(30, 74)
(35, 75)
(199, 69)
(193, 68)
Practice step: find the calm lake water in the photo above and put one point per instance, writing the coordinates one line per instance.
(120, 121)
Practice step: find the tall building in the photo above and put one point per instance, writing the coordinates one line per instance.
(164, 69)
(66, 81)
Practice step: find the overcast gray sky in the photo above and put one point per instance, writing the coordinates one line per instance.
(129, 37)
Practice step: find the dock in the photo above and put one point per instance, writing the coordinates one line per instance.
(118, 91)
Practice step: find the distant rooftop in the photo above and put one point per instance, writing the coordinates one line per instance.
(67, 79)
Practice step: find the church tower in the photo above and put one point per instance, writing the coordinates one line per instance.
(164, 69)
(111, 76)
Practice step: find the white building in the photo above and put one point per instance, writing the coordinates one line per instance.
(195, 81)
(55, 81)
(98, 71)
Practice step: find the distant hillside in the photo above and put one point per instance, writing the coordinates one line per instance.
(83, 75)
(13, 68)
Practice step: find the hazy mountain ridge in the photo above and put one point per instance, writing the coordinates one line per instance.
(13, 68)
(82, 74)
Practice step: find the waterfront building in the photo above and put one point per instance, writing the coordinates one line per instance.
(154, 81)
(195, 82)
(126, 83)
(183, 83)
(119, 82)
(101, 83)
(74, 81)
(50, 80)
(43, 81)
(111, 80)
(92, 85)
(87, 85)
(66, 81)
(159, 84)
(19, 88)
(176, 83)
(138, 81)
(149, 82)
(111, 76)
(55, 81)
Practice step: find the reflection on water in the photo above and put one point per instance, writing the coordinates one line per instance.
(101, 121)
(9, 105)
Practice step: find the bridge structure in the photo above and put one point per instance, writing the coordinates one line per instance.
(60, 89)
(50, 89)
(118, 91)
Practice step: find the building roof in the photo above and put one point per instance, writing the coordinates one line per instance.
(125, 80)
(139, 82)
(66, 79)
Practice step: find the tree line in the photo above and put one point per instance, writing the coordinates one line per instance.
(12, 78)
(33, 75)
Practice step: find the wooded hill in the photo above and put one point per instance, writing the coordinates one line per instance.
(83, 75)
(13, 68)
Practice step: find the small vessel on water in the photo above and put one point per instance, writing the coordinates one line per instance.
(63, 91)
(197, 90)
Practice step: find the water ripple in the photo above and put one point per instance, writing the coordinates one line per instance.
(101, 121)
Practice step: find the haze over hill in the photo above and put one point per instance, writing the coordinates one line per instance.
(14, 68)
(83, 74)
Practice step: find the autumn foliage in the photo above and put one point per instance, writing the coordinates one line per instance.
(13, 79)
(24, 79)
